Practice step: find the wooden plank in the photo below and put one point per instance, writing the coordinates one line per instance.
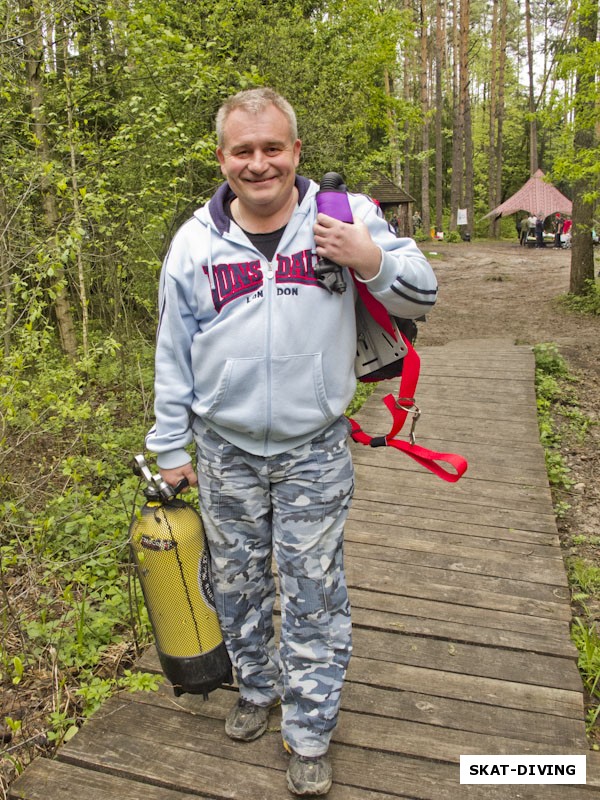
(467, 659)
(446, 390)
(400, 737)
(463, 588)
(436, 364)
(498, 453)
(46, 779)
(546, 729)
(550, 630)
(421, 680)
(495, 693)
(414, 501)
(477, 453)
(531, 569)
(460, 428)
(421, 625)
(478, 492)
(422, 533)
(491, 469)
(516, 526)
(487, 499)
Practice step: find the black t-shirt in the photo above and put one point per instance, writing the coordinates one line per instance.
(267, 243)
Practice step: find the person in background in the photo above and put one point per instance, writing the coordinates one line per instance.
(254, 364)
(523, 232)
(539, 231)
(558, 228)
(531, 223)
(417, 221)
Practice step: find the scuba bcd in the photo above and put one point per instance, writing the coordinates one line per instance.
(384, 348)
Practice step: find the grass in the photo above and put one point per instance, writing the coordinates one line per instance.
(561, 423)
(587, 303)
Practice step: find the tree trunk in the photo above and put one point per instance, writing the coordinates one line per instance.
(425, 209)
(439, 102)
(393, 131)
(533, 149)
(407, 72)
(582, 252)
(456, 185)
(77, 220)
(34, 59)
(492, 172)
(500, 105)
(6, 277)
(469, 158)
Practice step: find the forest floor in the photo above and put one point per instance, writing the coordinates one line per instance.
(499, 289)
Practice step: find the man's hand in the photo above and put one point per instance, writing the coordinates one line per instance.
(349, 245)
(175, 475)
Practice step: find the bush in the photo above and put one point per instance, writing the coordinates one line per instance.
(73, 619)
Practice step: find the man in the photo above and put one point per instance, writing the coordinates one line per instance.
(531, 223)
(557, 227)
(254, 363)
(523, 231)
(539, 231)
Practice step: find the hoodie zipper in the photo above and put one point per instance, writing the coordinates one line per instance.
(270, 283)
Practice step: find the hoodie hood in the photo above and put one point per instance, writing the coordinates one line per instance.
(214, 212)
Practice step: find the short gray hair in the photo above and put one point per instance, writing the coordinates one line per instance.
(255, 101)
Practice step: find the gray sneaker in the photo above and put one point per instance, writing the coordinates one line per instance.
(309, 775)
(246, 721)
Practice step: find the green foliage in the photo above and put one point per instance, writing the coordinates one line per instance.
(587, 641)
(559, 418)
(421, 236)
(587, 303)
(550, 392)
(452, 237)
(361, 395)
(72, 608)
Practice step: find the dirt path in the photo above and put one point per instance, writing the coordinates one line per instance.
(502, 289)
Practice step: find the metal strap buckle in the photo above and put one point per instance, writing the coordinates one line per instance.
(408, 404)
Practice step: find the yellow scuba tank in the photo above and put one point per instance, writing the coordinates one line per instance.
(169, 550)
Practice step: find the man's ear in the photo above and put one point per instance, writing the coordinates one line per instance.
(221, 159)
(297, 151)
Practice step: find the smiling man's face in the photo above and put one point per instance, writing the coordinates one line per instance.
(259, 159)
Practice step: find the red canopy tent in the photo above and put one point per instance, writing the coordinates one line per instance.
(537, 196)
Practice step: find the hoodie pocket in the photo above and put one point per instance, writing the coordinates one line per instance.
(240, 400)
(283, 399)
(299, 403)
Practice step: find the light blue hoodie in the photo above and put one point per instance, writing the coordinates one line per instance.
(260, 351)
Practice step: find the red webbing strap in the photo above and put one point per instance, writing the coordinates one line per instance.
(400, 408)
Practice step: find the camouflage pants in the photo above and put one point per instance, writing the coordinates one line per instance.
(291, 507)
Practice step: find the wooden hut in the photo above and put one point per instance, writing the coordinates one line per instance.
(392, 199)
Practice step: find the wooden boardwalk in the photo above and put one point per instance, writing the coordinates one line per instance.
(461, 627)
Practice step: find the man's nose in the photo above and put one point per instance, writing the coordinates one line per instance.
(258, 162)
